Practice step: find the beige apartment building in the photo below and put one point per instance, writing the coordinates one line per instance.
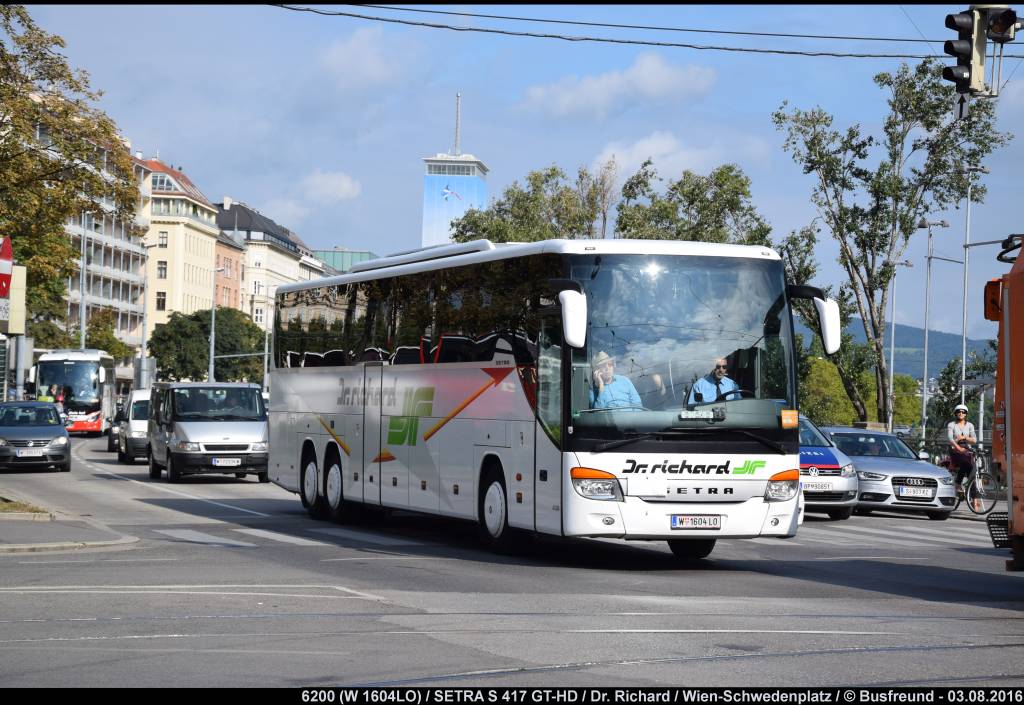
(230, 263)
(182, 246)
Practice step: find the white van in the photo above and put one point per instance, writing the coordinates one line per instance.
(198, 428)
(131, 436)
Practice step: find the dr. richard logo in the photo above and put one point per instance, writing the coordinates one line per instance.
(682, 468)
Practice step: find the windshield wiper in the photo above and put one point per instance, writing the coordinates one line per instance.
(637, 437)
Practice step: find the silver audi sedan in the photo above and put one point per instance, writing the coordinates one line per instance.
(892, 476)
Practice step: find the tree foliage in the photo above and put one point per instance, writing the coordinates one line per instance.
(182, 347)
(870, 191)
(545, 207)
(59, 157)
(712, 208)
(99, 334)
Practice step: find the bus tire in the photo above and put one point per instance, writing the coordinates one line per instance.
(492, 509)
(315, 505)
(334, 492)
(691, 549)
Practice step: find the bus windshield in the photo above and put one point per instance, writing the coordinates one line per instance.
(681, 342)
(77, 381)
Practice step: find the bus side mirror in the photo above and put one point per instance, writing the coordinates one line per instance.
(574, 317)
(828, 317)
(32, 374)
(103, 374)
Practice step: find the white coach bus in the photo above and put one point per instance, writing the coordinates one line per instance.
(461, 380)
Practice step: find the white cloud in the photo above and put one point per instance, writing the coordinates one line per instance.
(649, 80)
(365, 59)
(285, 211)
(324, 188)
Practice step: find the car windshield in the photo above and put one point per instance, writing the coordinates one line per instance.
(219, 404)
(811, 437)
(29, 416)
(869, 444)
(140, 410)
(680, 342)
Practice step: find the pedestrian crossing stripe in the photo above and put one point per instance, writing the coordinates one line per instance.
(199, 537)
(365, 537)
(281, 538)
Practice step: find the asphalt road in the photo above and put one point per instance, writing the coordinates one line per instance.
(231, 585)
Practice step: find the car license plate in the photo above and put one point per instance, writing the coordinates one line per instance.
(31, 453)
(227, 462)
(818, 486)
(915, 492)
(696, 521)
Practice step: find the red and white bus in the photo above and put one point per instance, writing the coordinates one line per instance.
(83, 381)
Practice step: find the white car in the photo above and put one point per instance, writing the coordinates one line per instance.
(827, 476)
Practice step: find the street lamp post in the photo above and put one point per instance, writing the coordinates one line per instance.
(970, 172)
(924, 223)
(143, 369)
(892, 344)
(213, 321)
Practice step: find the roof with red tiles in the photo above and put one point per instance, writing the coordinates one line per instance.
(189, 188)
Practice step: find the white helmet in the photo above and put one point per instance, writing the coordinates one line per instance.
(960, 407)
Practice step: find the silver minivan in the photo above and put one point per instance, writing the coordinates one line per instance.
(201, 428)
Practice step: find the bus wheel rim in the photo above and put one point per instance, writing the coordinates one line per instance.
(309, 483)
(334, 486)
(494, 509)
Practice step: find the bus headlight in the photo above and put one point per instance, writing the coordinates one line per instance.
(596, 484)
(782, 486)
(848, 471)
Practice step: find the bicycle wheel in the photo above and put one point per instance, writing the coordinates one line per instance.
(982, 493)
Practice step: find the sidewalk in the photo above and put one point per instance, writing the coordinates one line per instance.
(52, 531)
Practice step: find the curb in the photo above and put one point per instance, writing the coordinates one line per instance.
(68, 546)
(27, 516)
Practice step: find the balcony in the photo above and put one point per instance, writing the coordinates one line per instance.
(116, 243)
(74, 296)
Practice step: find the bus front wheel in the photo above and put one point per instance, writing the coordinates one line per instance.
(691, 549)
(493, 510)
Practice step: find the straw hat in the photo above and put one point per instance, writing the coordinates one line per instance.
(601, 358)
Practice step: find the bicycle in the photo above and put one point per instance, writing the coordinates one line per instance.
(980, 487)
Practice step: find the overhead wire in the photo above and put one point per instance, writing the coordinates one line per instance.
(605, 40)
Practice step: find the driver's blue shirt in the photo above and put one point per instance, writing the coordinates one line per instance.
(706, 386)
(618, 393)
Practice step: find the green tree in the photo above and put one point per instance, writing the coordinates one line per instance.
(546, 207)
(712, 208)
(182, 347)
(871, 192)
(822, 398)
(99, 334)
(59, 157)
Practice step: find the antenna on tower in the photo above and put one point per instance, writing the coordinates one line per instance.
(458, 122)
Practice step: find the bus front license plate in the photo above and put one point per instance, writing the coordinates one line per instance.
(696, 521)
(227, 462)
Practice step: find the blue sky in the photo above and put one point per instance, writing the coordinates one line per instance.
(321, 122)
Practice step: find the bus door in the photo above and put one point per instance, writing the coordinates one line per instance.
(373, 384)
(548, 464)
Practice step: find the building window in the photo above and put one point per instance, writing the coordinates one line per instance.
(161, 301)
(257, 316)
(161, 269)
(163, 238)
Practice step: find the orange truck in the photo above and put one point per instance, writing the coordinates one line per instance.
(1004, 302)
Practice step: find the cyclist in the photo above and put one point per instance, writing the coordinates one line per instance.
(961, 437)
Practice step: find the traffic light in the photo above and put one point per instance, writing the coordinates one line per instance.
(969, 50)
(1002, 25)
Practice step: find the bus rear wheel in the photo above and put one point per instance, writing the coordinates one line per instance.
(311, 499)
(691, 549)
(334, 492)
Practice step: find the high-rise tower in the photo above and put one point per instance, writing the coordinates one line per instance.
(453, 183)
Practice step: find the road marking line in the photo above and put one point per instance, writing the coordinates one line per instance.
(882, 532)
(913, 533)
(104, 560)
(832, 537)
(367, 538)
(981, 534)
(199, 537)
(283, 538)
(381, 558)
(871, 558)
(776, 542)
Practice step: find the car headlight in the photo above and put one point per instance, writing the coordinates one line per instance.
(59, 441)
(782, 486)
(187, 447)
(258, 448)
(947, 480)
(596, 484)
(3, 442)
(870, 476)
(138, 434)
(848, 471)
